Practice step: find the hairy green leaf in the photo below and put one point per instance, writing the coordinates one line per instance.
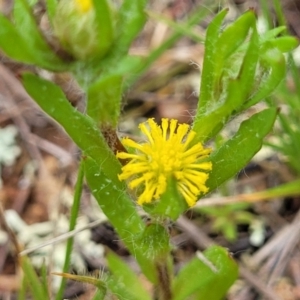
(121, 212)
(207, 277)
(82, 129)
(105, 25)
(234, 154)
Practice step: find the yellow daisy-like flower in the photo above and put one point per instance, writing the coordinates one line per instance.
(167, 152)
(84, 5)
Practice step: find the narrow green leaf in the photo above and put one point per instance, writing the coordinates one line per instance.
(9, 38)
(37, 289)
(114, 202)
(121, 212)
(278, 6)
(25, 23)
(73, 219)
(44, 278)
(181, 28)
(237, 152)
(230, 230)
(287, 189)
(105, 25)
(208, 124)
(275, 63)
(296, 79)
(125, 280)
(272, 33)
(206, 278)
(198, 14)
(51, 8)
(104, 99)
(132, 18)
(247, 72)
(208, 69)
(233, 37)
(284, 43)
(267, 18)
(82, 129)
(23, 289)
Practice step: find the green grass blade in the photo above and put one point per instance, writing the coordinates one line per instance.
(72, 224)
(198, 15)
(37, 289)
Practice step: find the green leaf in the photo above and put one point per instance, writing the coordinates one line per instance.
(274, 62)
(208, 72)
(104, 99)
(132, 18)
(209, 124)
(231, 157)
(22, 292)
(198, 14)
(40, 50)
(154, 242)
(288, 189)
(230, 231)
(272, 33)
(82, 129)
(234, 89)
(181, 28)
(247, 71)
(285, 43)
(124, 281)
(9, 38)
(38, 290)
(105, 25)
(72, 223)
(233, 37)
(207, 278)
(244, 217)
(51, 8)
(121, 212)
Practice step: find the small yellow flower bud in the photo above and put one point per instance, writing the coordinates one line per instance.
(84, 5)
(76, 28)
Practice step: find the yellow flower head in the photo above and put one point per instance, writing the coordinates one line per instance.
(84, 5)
(167, 152)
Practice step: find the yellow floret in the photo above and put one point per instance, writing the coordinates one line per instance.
(167, 152)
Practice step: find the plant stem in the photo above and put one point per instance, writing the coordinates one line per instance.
(73, 218)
